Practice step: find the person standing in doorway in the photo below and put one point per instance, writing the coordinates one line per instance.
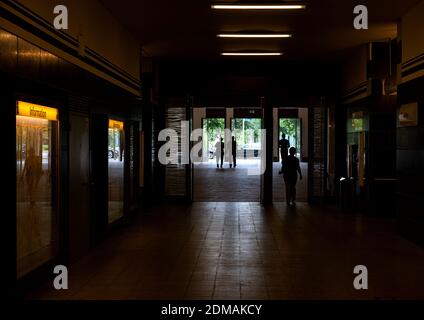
(291, 169)
(219, 150)
(233, 156)
(284, 145)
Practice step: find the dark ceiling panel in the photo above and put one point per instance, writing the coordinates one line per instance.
(188, 28)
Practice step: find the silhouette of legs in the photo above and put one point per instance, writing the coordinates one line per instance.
(290, 191)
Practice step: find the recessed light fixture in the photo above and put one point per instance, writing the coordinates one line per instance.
(258, 6)
(241, 35)
(252, 54)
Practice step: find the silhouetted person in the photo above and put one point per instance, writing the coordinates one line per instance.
(284, 145)
(219, 147)
(233, 152)
(291, 169)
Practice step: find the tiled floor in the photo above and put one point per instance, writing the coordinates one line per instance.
(278, 185)
(235, 185)
(245, 251)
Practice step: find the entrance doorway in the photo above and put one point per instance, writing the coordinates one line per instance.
(293, 123)
(248, 136)
(235, 181)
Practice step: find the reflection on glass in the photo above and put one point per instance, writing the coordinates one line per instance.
(116, 170)
(36, 190)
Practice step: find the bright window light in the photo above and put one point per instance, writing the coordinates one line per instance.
(258, 6)
(265, 54)
(238, 35)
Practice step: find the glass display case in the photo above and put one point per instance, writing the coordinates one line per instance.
(37, 141)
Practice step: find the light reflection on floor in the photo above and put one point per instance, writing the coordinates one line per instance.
(231, 250)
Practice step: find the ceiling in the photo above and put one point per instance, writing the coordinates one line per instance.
(188, 28)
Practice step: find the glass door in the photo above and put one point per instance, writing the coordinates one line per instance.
(36, 186)
(116, 170)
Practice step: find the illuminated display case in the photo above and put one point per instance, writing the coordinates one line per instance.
(36, 185)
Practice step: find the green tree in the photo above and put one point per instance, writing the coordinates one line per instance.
(214, 127)
(288, 126)
(244, 127)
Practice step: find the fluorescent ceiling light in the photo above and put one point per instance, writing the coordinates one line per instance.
(241, 35)
(258, 6)
(259, 54)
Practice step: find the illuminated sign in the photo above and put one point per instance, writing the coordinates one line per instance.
(114, 124)
(26, 109)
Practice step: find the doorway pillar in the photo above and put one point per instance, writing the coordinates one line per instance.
(268, 125)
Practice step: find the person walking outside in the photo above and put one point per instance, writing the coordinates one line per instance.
(219, 152)
(233, 156)
(291, 169)
(284, 145)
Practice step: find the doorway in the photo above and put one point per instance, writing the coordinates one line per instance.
(248, 136)
(291, 127)
(293, 123)
(235, 180)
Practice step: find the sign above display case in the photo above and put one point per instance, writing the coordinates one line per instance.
(31, 110)
(114, 124)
